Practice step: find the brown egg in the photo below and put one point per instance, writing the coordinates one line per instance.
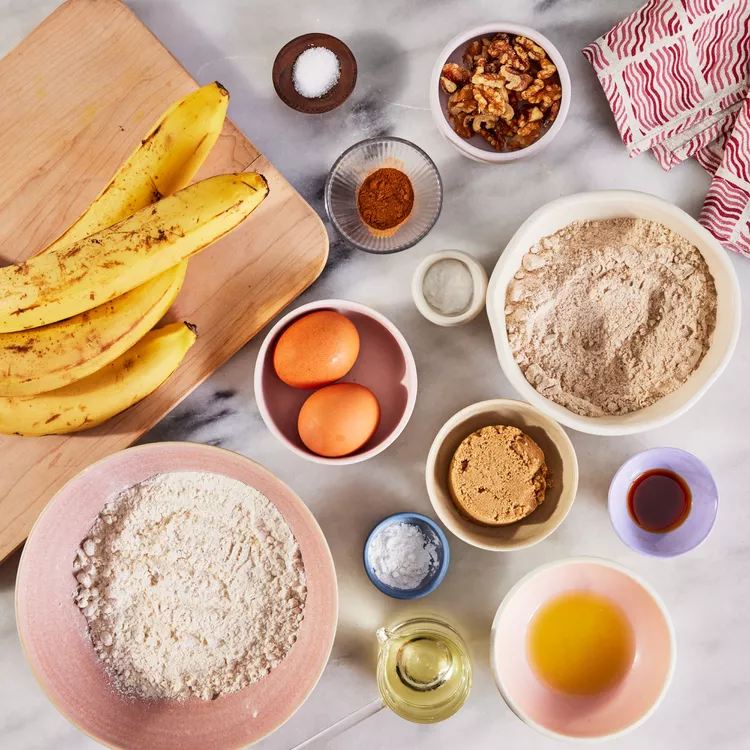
(316, 350)
(339, 419)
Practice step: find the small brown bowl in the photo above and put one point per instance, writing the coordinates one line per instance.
(284, 64)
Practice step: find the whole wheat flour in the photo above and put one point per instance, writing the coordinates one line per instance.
(607, 317)
(192, 584)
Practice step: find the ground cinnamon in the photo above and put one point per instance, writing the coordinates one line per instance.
(386, 199)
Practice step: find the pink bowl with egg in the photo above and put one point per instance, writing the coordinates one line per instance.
(385, 365)
(54, 636)
(599, 717)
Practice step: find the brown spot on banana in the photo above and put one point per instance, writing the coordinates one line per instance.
(21, 349)
(152, 134)
(22, 310)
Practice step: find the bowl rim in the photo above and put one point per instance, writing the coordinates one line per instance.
(612, 499)
(479, 282)
(603, 562)
(551, 426)
(464, 146)
(73, 721)
(351, 306)
(420, 591)
(332, 216)
(710, 249)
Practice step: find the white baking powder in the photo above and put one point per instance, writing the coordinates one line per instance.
(316, 71)
(401, 555)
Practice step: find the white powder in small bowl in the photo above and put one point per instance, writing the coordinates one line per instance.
(402, 556)
(448, 287)
(316, 71)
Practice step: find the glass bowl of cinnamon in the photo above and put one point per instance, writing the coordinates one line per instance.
(383, 195)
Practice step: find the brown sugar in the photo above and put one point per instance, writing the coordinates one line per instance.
(385, 199)
(497, 476)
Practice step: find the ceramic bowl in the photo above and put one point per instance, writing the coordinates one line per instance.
(432, 533)
(53, 631)
(610, 204)
(477, 148)
(693, 531)
(283, 77)
(559, 455)
(582, 718)
(352, 168)
(479, 292)
(385, 365)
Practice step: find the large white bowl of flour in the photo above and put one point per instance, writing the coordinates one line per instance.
(613, 204)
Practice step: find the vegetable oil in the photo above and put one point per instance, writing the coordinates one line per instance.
(424, 670)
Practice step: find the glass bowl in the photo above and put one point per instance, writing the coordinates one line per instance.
(349, 172)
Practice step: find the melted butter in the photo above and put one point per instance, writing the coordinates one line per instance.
(580, 643)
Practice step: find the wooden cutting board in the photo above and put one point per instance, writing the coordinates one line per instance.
(78, 94)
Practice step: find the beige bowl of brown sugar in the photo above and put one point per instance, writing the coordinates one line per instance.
(616, 204)
(559, 455)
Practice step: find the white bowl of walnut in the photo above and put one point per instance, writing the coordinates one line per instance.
(499, 92)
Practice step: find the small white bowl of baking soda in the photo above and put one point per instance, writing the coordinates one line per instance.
(449, 288)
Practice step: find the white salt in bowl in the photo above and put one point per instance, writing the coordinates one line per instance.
(613, 204)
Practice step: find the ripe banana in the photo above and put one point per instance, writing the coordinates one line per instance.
(70, 280)
(165, 162)
(109, 391)
(46, 358)
(55, 355)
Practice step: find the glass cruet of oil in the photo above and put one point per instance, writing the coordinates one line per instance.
(424, 670)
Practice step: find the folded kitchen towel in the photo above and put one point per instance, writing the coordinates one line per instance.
(726, 212)
(677, 77)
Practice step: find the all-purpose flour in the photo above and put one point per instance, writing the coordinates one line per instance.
(192, 584)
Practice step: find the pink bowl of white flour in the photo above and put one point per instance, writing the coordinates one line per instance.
(55, 635)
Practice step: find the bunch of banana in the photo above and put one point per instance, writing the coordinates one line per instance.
(75, 318)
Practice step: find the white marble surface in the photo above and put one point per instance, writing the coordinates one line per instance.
(395, 43)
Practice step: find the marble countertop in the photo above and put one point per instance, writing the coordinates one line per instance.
(395, 43)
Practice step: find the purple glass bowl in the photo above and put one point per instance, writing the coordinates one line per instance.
(693, 530)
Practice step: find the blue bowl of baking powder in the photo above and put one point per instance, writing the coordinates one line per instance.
(433, 535)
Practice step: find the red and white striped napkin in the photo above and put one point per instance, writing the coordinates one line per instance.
(677, 77)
